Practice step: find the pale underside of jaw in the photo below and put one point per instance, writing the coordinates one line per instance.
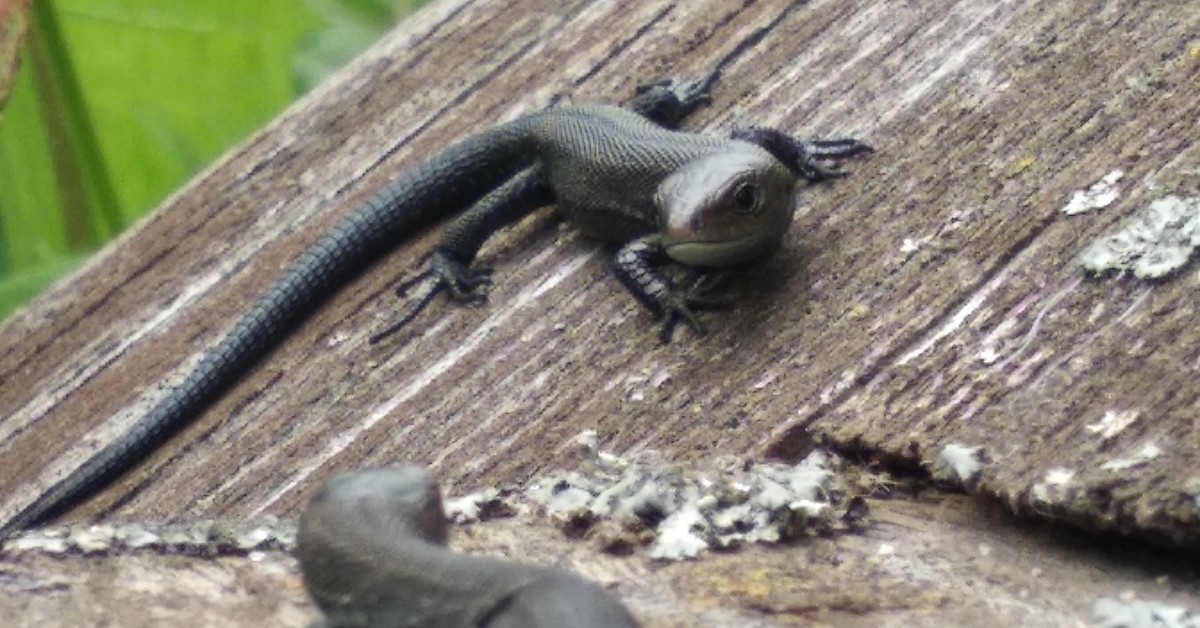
(726, 252)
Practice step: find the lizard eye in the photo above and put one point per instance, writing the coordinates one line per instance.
(745, 197)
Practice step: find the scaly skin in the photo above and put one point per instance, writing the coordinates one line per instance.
(615, 174)
(372, 549)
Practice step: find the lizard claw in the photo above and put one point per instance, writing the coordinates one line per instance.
(459, 280)
(707, 292)
(691, 92)
(811, 151)
(673, 318)
(805, 157)
(462, 282)
(711, 291)
(834, 149)
(668, 101)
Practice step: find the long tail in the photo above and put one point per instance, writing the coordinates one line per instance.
(446, 183)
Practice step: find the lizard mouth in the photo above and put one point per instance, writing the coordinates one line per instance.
(717, 253)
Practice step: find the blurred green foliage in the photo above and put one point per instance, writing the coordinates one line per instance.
(115, 103)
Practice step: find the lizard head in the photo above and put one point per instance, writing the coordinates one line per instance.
(726, 208)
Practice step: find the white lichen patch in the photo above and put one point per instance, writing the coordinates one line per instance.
(959, 464)
(1148, 452)
(1099, 195)
(1055, 487)
(908, 246)
(682, 512)
(1192, 489)
(681, 536)
(1110, 613)
(1112, 423)
(203, 538)
(678, 512)
(988, 354)
(478, 506)
(1153, 244)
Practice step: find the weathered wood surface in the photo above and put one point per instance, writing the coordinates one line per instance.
(940, 560)
(933, 297)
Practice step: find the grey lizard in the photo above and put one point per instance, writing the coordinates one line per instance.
(621, 175)
(372, 550)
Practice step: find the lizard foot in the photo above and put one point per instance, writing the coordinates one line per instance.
(635, 265)
(668, 101)
(459, 280)
(462, 281)
(805, 157)
(812, 152)
(709, 291)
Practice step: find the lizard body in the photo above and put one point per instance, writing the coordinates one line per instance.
(371, 546)
(622, 176)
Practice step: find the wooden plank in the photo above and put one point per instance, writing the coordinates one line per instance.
(930, 298)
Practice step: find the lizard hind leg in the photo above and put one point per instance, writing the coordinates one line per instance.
(452, 269)
(461, 281)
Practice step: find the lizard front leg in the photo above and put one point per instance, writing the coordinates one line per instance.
(635, 265)
(667, 102)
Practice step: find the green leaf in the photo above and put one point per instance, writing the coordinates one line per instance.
(129, 99)
(31, 229)
(88, 207)
(17, 288)
(118, 102)
(172, 84)
(352, 25)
